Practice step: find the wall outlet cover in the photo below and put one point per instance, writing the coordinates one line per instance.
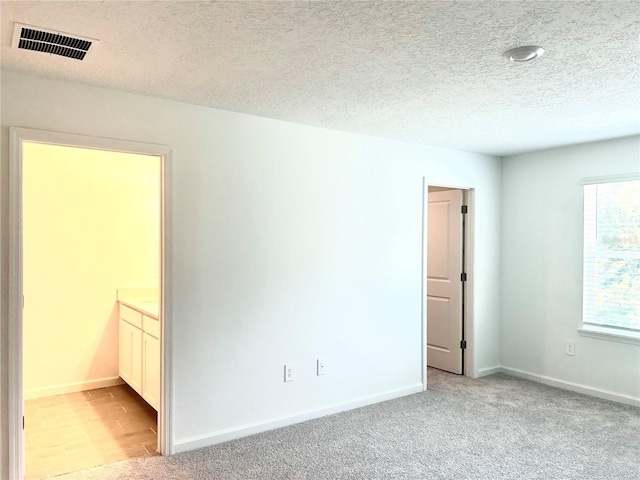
(321, 367)
(289, 372)
(569, 348)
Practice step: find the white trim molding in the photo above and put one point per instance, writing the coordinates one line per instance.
(14, 354)
(486, 371)
(623, 177)
(72, 387)
(470, 328)
(423, 287)
(165, 421)
(233, 433)
(574, 387)
(609, 333)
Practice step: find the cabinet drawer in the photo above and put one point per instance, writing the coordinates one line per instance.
(151, 326)
(130, 315)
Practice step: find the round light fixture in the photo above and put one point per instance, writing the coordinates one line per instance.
(523, 54)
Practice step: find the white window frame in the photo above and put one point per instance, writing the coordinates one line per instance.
(607, 332)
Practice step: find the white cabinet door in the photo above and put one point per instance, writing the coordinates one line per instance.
(151, 370)
(139, 354)
(124, 351)
(136, 359)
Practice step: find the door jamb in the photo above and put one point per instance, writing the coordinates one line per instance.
(469, 364)
(18, 136)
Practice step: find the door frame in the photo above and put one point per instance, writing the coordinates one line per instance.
(468, 357)
(18, 136)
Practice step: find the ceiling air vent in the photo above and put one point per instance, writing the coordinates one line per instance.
(28, 37)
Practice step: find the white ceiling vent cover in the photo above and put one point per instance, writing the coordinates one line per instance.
(29, 37)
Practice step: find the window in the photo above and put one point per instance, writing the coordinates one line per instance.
(611, 294)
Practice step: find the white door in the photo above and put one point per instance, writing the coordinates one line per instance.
(444, 286)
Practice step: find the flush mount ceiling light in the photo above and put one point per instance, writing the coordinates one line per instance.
(523, 54)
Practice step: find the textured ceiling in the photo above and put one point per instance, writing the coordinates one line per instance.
(429, 72)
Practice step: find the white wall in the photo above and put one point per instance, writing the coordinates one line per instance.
(90, 226)
(289, 243)
(542, 266)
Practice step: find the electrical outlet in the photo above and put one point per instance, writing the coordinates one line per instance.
(321, 368)
(569, 348)
(289, 372)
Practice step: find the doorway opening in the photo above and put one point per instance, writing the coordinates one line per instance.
(88, 327)
(448, 237)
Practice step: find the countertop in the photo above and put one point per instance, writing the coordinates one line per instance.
(148, 306)
(143, 299)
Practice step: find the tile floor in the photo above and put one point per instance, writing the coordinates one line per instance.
(65, 433)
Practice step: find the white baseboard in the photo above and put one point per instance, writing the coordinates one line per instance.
(483, 372)
(71, 387)
(220, 436)
(574, 387)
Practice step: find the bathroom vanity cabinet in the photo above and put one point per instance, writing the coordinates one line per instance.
(139, 351)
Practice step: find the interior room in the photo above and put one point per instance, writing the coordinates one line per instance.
(308, 157)
(91, 239)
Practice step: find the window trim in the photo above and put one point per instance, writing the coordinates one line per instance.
(623, 177)
(605, 332)
(592, 330)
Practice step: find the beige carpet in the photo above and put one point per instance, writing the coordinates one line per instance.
(497, 427)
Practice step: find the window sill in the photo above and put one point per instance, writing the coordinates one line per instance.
(612, 334)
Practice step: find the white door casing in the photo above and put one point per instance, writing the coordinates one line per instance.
(444, 286)
(14, 354)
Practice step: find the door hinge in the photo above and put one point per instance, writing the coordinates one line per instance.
(23, 422)
(463, 277)
(464, 209)
(463, 344)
